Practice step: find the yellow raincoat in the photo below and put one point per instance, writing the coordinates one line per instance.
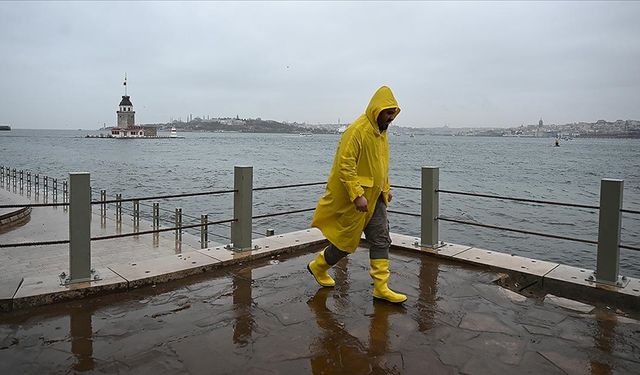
(360, 168)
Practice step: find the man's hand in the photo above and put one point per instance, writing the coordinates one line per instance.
(389, 196)
(361, 204)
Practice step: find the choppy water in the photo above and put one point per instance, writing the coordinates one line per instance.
(515, 167)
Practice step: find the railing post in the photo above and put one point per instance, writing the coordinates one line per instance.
(55, 189)
(242, 207)
(79, 227)
(610, 219)
(204, 232)
(136, 214)
(178, 224)
(118, 208)
(156, 215)
(103, 206)
(270, 232)
(429, 207)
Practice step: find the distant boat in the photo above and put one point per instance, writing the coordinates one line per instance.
(174, 133)
(5, 127)
(305, 134)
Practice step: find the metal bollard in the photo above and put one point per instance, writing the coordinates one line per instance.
(609, 224)
(28, 182)
(156, 215)
(64, 191)
(119, 208)
(46, 186)
(79, 228)
(13, 177)
(136, 214)
(270, 232)
(21, 180)
(103, 206)
(55, 189)
(204, 232)
(178, 224)
(37, 184)
(241, 228)
(430, 207)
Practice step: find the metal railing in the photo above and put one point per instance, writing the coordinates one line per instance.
(609, 227)
(79, 206)
(608, 242)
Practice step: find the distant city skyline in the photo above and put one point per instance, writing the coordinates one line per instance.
(459, 64)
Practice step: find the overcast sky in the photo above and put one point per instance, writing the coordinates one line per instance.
(453, 63)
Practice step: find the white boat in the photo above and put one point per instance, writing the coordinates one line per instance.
(174, 133)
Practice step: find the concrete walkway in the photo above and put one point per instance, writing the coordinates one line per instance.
(270, 317)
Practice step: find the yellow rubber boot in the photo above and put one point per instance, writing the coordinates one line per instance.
(318, 268)
(380, 275)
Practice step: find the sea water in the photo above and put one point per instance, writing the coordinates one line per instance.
(513, 167)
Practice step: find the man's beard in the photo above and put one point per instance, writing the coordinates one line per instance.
(383, 127)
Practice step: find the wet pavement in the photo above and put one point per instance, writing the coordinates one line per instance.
(52, 224)
(269, 317)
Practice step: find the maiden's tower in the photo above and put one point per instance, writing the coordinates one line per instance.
(126, 127)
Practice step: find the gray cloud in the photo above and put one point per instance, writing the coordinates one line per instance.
(460, 64)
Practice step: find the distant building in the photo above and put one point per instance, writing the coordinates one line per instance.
(540, 123)
(126, 127)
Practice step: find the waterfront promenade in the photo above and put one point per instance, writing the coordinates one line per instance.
(259, 312)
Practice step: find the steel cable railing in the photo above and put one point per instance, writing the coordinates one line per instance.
(283, 213)
(443, 218)
(404, 213)
(406, 187)
(288, 186)
(516, 230)
(591, 207)
(120, 200)
(114, 236)
(629, 247)
(165, 196)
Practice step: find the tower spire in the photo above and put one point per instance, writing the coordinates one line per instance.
(125, 84)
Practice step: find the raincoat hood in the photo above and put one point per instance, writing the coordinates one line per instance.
(381, 100)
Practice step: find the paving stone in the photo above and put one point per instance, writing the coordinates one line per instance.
(485, 323)
(541, 317)
(506, 262)
(569, 364)
(534, 363)
(568, 304)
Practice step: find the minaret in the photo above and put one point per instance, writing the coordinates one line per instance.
(126, 114)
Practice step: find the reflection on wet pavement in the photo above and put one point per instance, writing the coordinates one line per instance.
(271, 317)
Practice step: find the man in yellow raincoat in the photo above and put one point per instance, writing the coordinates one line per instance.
(357, 195)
